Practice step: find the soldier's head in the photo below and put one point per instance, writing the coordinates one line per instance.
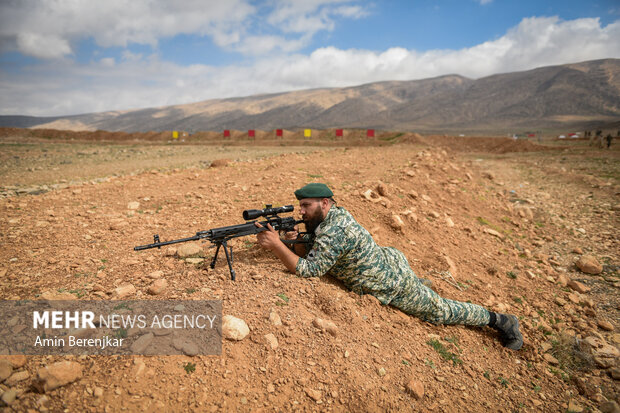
(315, 200)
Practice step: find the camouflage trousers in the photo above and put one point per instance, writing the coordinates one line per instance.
(420, 301)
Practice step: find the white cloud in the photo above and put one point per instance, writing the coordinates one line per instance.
(51, 28)
(483, 2)
(63, 87)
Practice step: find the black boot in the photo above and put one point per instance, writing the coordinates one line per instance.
(508, 327)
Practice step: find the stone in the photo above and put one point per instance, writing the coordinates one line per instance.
(451, 266)
(605, 325)
(589, 265)
(415, 388)
(98, 392)
(234, 328)
(550, 359)
(577, 250)
(449, 222)
(142, 343)
(188, 249)
(9, 396)
(17, 377)
(382, 189)
(190, 349)
(574, 407)
(272, 341)
(158, 286)
(218, 163)
(577, 286)
(326, 325)
(313, 394)
(397, 223)
(133, 205)
(275, 319)
(610, 407)
(615, 373)
(5, 370)
(124, 291)
(156, 274)
(494, 233)
(16, 361)
(57, 375)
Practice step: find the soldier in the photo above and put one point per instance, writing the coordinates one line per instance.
(342, 247)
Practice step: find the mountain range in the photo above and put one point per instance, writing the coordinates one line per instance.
(575, 96)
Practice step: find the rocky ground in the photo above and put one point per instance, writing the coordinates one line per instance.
(518, 228)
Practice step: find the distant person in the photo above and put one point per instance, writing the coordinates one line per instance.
(340, 246)
(609, 139)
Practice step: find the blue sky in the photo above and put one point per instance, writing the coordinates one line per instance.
(62, 57)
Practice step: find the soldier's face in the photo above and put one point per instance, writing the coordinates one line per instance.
(311, 213)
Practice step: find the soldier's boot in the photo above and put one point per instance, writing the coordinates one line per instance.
(508, 327)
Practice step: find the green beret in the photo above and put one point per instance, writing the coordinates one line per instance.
(314, 190)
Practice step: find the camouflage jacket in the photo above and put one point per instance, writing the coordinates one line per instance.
(345, 250)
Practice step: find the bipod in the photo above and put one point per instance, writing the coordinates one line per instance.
(229, 257)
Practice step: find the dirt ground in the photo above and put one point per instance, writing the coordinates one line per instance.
(491, 221)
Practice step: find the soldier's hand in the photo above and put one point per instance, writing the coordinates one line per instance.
(268, 239)
(291, 235)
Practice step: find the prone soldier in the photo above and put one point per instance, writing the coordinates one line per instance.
(340, 246)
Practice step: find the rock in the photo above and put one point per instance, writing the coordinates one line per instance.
(188, 249)
(574, 407)
(16, 361)
(488, 175)
(560, 301)
(142, 343)
(9, 396)
(589, 265)
(275, 319)
(54, 295)
(124, 291)
(313, 394)
(5, 370)
(577, 250)
(524, 211)
(605, 325)
(17, 377)
(98, 392)
(234, 328)
(449, 222)
(57, 375)
(494, 233)
(158, 286)
(272, 341)
(413, 194)
(372, 196)
(190, 349)
(381, 372)
(452, 267)
(156, 274)
(397, 223)
(615, 373)
(326, 325)
(194, 260)
(133, 205)
(218, 163)
(382, 189)
(610, 407)
(550, 359)
(577, 286)
(415, 388)
(562, 280)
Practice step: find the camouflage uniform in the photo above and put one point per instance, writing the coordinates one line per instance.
(347, 251)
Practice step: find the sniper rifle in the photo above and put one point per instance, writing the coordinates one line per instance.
(220, 236)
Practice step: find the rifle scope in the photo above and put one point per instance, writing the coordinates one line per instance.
(249, 214)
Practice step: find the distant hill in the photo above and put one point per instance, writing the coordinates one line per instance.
(574, 96)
